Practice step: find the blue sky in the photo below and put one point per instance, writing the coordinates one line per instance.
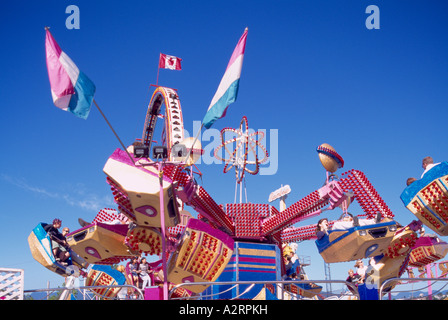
(312, 71)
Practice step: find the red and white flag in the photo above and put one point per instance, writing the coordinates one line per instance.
(169, 62)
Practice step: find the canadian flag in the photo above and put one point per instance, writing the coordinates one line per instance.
(169, 62)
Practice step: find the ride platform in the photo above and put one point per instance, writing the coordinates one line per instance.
(427, 199)
(201, 256)
(427, 250)
(100, 243)
(136, 191)
(105, 276)
(356, 242)
(42, 251)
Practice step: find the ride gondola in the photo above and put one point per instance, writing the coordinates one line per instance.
(42, 251)
(427, 199)
(357, 242)
(101, 243)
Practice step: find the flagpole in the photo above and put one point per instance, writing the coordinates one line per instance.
(158, 69)
(110, 126)
(224, 86)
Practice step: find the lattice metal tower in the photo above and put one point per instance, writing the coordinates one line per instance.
(328, 277)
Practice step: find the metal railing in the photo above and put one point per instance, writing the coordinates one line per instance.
(398, 280)
(137, 290)
(251, 284)
(11, 284)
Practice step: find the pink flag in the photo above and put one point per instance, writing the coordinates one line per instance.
(228, 87)
(169, 62)
(71, 89)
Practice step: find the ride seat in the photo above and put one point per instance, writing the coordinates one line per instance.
(356, 242)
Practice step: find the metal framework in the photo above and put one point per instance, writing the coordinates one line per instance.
(140, 293)
(392, 280)
(281, 285)
(11, 284)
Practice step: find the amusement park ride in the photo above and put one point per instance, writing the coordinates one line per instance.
(153, 185)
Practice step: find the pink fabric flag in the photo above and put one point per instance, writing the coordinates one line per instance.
(227, 91)
(71, 89)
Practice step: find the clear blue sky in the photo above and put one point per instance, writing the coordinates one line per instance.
(312, 71)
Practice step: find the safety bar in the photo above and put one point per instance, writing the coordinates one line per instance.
(385, 283)
(88, 288)
(252, 283)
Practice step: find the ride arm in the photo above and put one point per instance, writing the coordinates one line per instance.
(330, 194)
(297, 234)
(366, 195)
(195, 196)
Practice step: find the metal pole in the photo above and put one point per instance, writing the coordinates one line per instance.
(162, 219)
(158, 69)
(428, 274)
(110, 126)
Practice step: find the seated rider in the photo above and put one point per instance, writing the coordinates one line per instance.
(353, 278)
(322, 228)
(428, 164)
(347, 221)
(58, 242)
(133, 271)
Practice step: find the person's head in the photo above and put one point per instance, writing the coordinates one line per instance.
(410, 181)
(57, 223)
(143, 260)
(346, 216)
(322, 225)
(426, 161)
(359, 264)
(134, 260)
(65, 231)
(351, 272)
(137, 143)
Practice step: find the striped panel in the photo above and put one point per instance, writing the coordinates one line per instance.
(253, 260)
